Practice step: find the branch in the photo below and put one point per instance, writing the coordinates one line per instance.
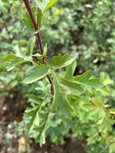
(36, 26)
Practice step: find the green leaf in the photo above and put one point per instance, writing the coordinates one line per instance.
(43, 129)
(9, 57)
(105, 79)
(60, 100)
(37, 122)
(70, 70)
(33, 113)
(14, 63)
(28, 23)
(56, 98)
(45, 49)
(85, 76)
(71, 87)
(112, 148)
(31, 44)
(88, 81)
(45, 4)
(51, 2)
(61, 61)
(37, 73)
(39, 16)
(42, 4)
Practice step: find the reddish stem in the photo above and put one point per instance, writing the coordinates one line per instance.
(36, 26)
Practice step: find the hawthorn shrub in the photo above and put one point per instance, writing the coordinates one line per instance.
(62, 103)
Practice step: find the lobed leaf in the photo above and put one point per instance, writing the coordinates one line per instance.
(61, 61)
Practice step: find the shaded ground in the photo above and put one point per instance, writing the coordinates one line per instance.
(12, 107)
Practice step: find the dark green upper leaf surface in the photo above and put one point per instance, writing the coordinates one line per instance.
(61, 61)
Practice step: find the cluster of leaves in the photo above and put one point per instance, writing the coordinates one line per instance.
(75, 96)
(78, 106)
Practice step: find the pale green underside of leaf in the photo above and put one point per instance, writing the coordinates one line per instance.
(37, 73)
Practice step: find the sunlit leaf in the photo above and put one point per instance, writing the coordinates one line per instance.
(45, 4)
(51, 2)
(105, 79)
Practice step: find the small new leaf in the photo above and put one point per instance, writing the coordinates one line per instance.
(45, 4)
(51, 2)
